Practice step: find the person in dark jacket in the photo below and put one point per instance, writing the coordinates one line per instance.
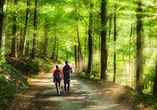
(67, 70)
(57, 82)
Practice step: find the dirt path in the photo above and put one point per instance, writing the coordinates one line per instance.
(84, 95)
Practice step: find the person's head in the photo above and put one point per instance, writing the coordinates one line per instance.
(56, 66)
(66, 62)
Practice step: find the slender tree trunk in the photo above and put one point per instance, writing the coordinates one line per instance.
(26, 26)
(86, 45)
(57, 51)
(155, 81)
(75, 53)
(139, 48)
(46, 39)
(130, 76)
(35, 29)
(110, 26)
(14, 39)
(78, 39)
(20, 42)
(90, 45)
(115, 35)
(2, 25)
(27, 46)
(103, 40)
(54, 47)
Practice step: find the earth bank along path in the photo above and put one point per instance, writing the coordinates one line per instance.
(84, 95)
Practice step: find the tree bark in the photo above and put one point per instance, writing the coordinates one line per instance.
(2, 25)
(110, 26)
(14, 39)
(130, 76)
(57, 51)
(90, 45)
(103, 40)
(35, 31)
(46, 38)
(155, 81)
(78, 39)
(54, 47)
(26, 26)
(115, 35)
(75, 54)
(139, 48)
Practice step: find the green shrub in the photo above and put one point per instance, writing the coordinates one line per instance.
(7, 90)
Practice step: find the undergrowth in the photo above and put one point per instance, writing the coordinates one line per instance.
(14, 73)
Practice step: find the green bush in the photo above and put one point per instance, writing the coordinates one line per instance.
(7, 90)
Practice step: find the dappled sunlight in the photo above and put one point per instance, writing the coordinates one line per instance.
(83, 94)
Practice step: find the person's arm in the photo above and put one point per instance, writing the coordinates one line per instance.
(54, 73)
(70, 69)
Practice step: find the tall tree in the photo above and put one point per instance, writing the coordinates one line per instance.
(90, 45)
(79, 47)
(115, 35)
(14, 38)
(131, 31)
(54, 47)
(155, 81)
(103, 40)
(26, 26)
(35, 31)
(75, 47)
(139, 56)
(2, 25)
(46, 37)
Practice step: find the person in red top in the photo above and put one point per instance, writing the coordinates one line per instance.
(57, 82)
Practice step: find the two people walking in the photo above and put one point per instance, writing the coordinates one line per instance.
(59, 76)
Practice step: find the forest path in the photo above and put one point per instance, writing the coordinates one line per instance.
(84, 95)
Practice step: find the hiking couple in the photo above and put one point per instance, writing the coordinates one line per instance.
(59, 75)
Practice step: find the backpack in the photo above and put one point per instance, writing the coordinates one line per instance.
(58, 75)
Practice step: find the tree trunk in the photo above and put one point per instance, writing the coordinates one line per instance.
(35, 31)
(54, 47)
(130, 76)
(2, 25)
(90, 45)
(110, 26)
(139, 48)
(46, 38)
(155, 81)
(78, 39)
(57, 51)
(115, 35)
(26, 26)
(103, 40)
(75, 53)
(14, 39)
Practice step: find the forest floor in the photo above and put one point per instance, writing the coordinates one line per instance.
(85, 94)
